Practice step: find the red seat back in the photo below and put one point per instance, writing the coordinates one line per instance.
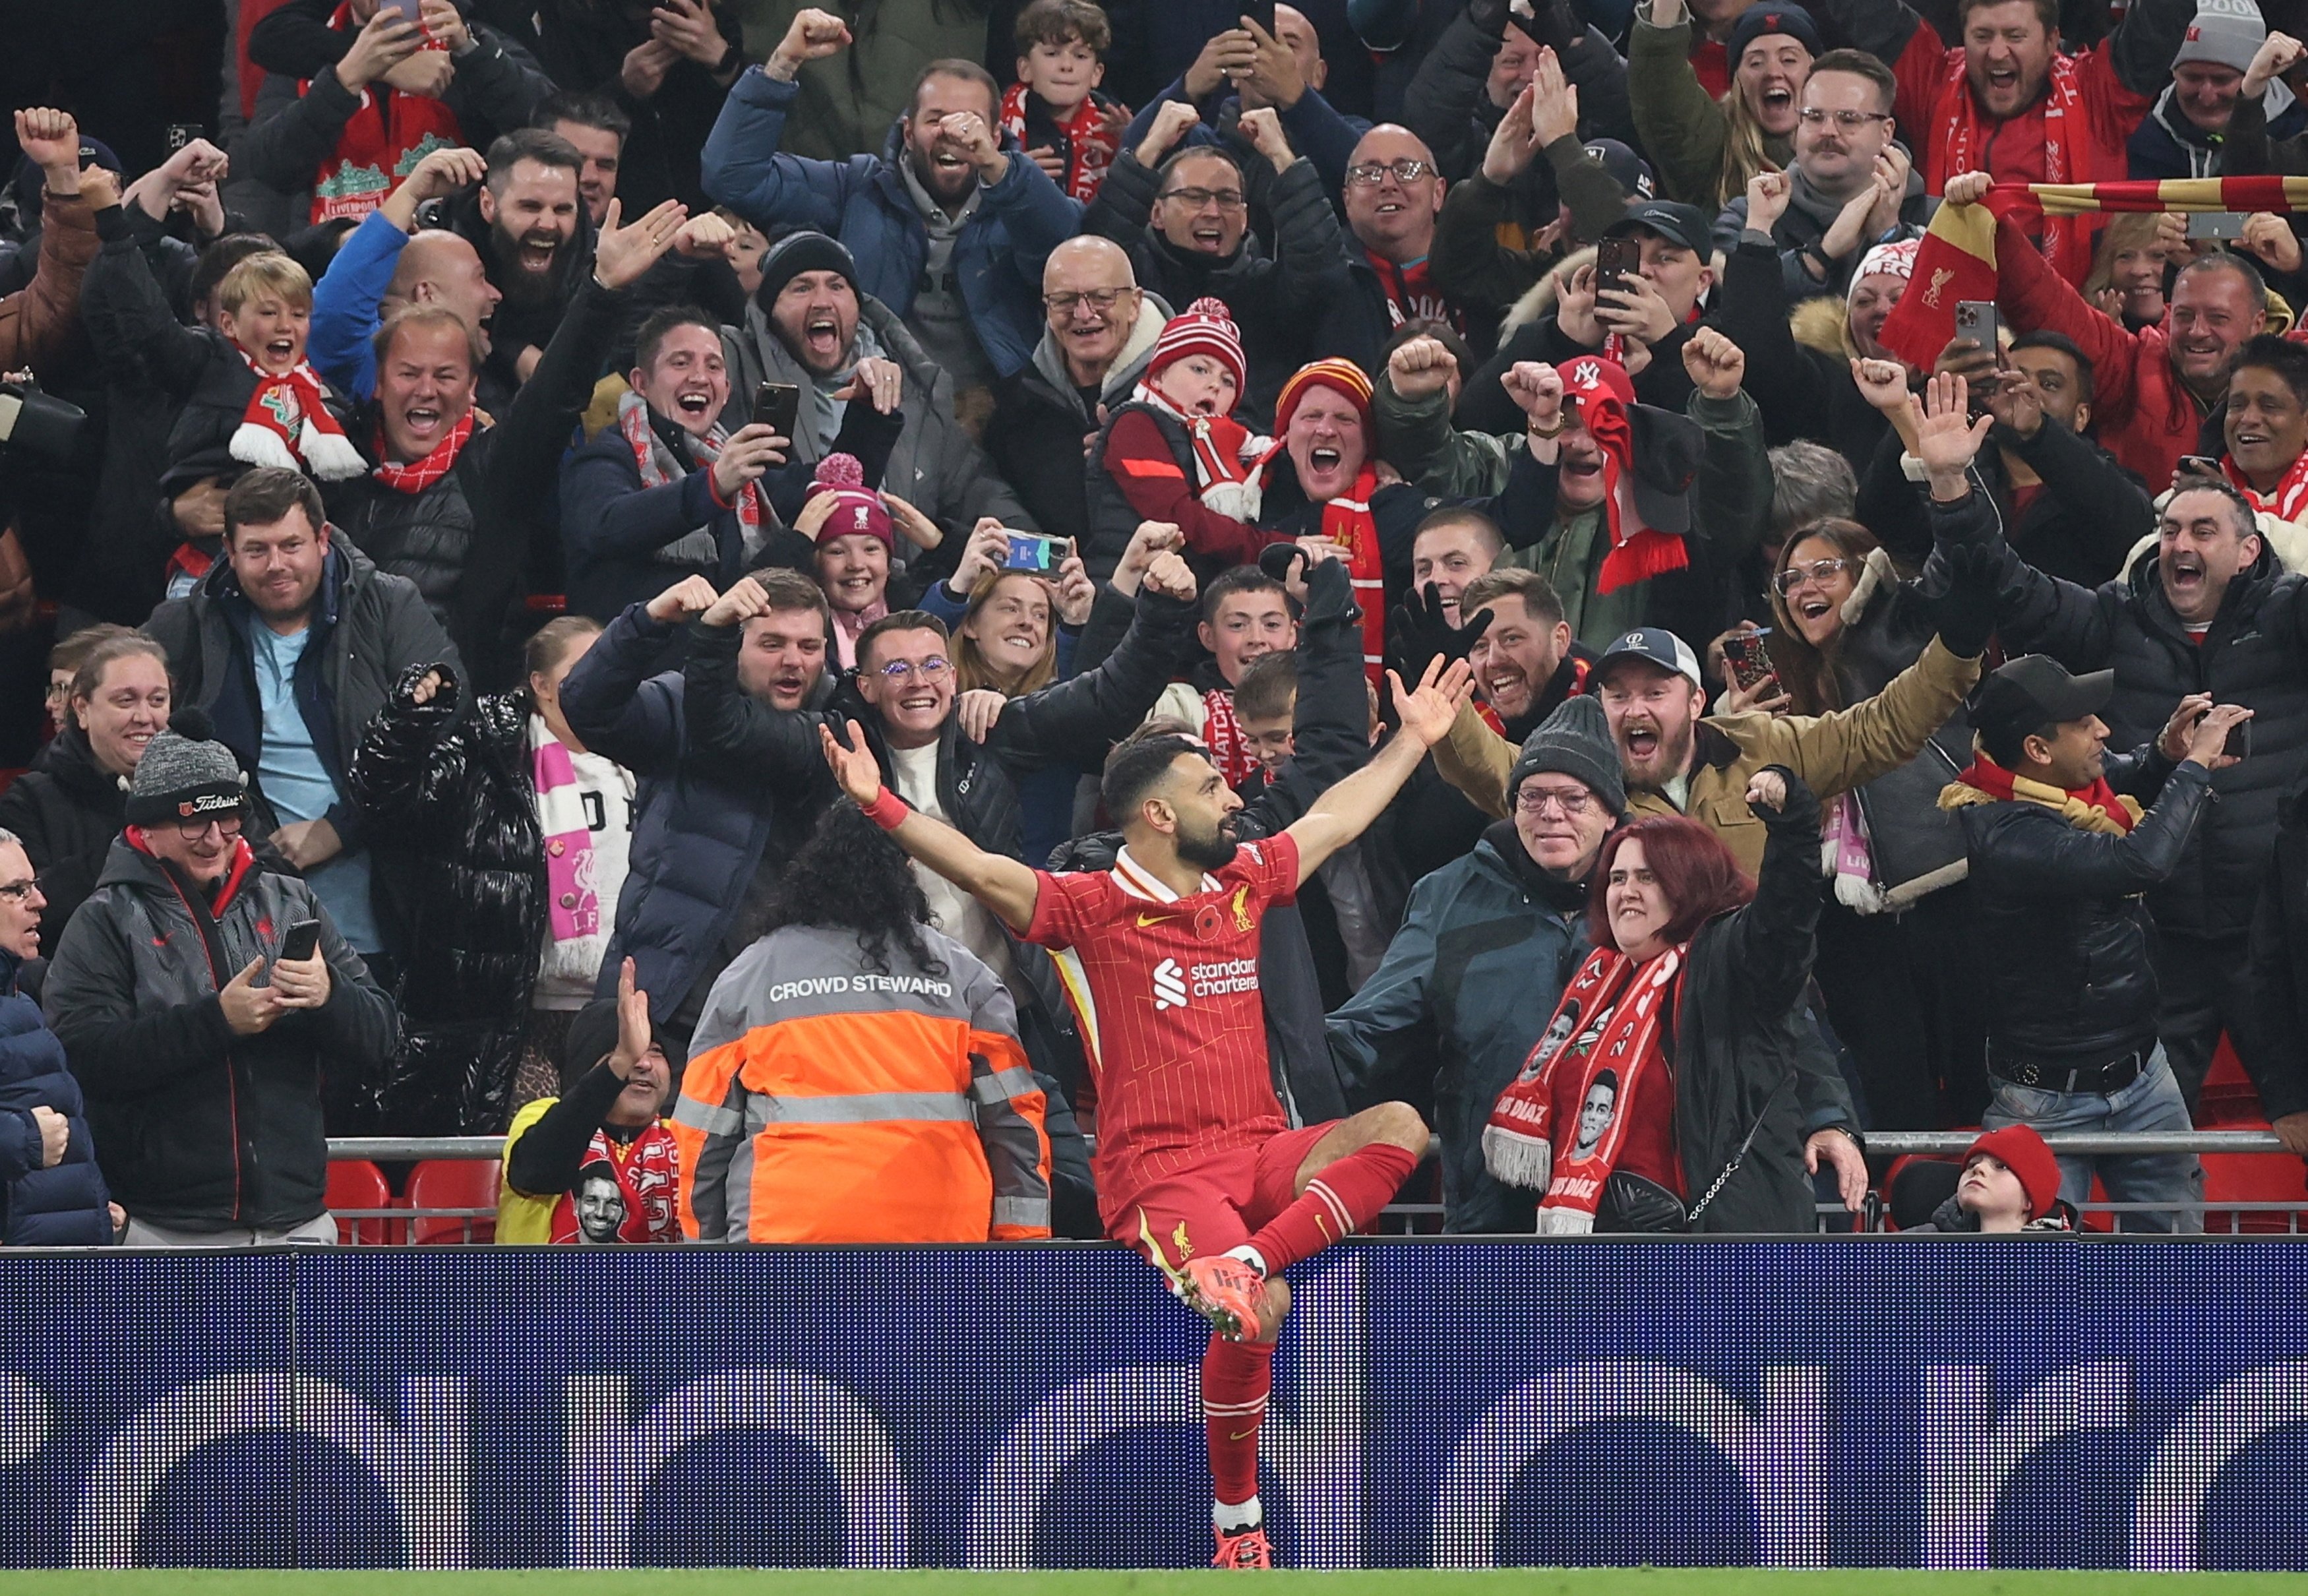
(454, 1183)
(357, 1184)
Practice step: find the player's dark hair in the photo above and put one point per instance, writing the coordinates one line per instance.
(850, 876)
(1134, 769)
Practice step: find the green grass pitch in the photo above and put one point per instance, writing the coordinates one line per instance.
(1520, 1582)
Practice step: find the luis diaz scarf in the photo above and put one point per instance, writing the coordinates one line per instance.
(2098, 807)
(1090, 139)
(288, 424)
(1606, 1034)
(1964, 135)
(659, 466)
(418, 475)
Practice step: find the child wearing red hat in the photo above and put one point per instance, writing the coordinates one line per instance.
(2010, 1182)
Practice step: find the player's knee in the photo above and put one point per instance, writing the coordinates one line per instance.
(1399, 1126)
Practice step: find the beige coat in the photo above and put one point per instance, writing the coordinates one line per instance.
(1832, 754)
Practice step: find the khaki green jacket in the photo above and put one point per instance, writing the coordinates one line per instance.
(1832, 754)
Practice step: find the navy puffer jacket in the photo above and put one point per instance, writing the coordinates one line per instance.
(65, 1205)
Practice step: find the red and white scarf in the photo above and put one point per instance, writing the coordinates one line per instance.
(288, 424)
(1602, 392)
(1610, 1018)
(385, 138)
(1091, 142)
(1229, 750)
(1226, 457)
(649, 1179)
(1346, 521)
(417, 475)
(2286, 501)
(658, 467)
(1963, 138)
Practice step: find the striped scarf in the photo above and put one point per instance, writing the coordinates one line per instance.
(1964, 135)
(1347, 520)
(659, 466)
(2286, 501)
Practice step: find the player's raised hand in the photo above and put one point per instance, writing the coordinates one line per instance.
(852, 763)
(1426, 710)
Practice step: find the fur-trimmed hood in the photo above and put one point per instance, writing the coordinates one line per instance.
(1823, 324)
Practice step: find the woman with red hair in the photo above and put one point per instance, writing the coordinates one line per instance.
(1687, 1011)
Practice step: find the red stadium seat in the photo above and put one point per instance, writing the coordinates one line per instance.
(357, 1184)
(2254, 1178)
(454, 1183)
(2228, 1099)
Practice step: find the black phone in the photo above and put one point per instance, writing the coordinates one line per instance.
(777, 406)
(1749, 658)
(1616, 259)
(1260, 12)
(181, 133)
(2239, 743)
(2201, 465)
(303, 941)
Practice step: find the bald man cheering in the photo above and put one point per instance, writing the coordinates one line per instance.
(1101, 328)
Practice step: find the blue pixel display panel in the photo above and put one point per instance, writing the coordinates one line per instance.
(1443, 1403)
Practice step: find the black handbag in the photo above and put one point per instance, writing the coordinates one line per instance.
(1632, 1204)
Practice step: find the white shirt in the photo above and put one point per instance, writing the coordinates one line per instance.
(952, 911)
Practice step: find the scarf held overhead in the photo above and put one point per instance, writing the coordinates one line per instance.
(1956, 261)
(1610, 1019)
(385, 138)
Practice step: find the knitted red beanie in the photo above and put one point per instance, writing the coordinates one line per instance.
(2021, 1150)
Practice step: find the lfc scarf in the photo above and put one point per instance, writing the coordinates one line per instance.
(1226, 457)
(573, 908)
(1411, 295)
(1602, 392)
(2286, 501)
(658, 467)
(288, 424)
(1607, 1025)
(649, 1179)
(1347, 520)
(2098, 807)
(1963, 139)
(1090, 144)
(1229, 750)
(416, 476)
(385, 138)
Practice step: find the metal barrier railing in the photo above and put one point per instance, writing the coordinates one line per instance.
(398, 1225)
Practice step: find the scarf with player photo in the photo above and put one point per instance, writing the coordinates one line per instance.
(1526, 1144)
(1603, 396)
(288, 424)
(648, 1172)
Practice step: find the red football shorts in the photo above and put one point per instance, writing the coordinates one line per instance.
(1218, 1204)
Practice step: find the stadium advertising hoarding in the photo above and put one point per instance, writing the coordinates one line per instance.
(1859, 1402)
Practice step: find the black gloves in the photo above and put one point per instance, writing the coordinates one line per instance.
(1417, 635)
(1966, 611)
(1329, 588)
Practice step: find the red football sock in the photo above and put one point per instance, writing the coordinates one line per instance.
(1346, 1196)
(1236, 1376)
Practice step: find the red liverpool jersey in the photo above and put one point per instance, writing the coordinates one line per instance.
(1167, 991)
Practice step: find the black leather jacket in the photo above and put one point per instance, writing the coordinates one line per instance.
(2064, 937)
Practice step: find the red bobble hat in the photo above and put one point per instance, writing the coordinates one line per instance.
(856, 509)
(1205, 327)
(2021, 1150)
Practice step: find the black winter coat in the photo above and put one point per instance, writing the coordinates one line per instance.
(2066, 945)
(1803, 391)
(2274, 1046)
(1034, 436)
(2255, 654)
(1741, 1061)
(197, 1128)
(68, 810)
(59, 1206)
(1278, 299)
(528, 321)
(456, 797)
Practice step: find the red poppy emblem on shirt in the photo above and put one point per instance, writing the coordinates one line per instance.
(1209, 924)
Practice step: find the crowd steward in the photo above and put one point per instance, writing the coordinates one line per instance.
(491, 495)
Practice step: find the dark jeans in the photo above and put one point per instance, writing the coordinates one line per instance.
(1902, 992)
(2203, 981)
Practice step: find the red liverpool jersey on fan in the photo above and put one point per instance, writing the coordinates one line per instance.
(1166, 990)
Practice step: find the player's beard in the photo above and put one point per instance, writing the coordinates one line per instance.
(1213, 850)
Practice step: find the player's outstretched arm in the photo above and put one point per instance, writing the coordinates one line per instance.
(1003, 884)
(1349, 808)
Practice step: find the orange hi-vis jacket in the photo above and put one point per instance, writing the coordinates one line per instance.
(829, 1098)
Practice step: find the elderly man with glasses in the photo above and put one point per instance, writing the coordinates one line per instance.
(1100, 336)
(1185, 215)
(199, 998)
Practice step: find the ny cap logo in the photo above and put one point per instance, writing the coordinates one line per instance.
(1586, 374)
(1169, 985)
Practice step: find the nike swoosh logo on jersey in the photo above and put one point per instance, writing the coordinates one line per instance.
(1145, 920)
(1241, 1434)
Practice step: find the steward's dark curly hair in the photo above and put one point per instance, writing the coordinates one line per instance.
(850, 875)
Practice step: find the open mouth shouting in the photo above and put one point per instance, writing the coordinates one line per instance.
(694, 405)
(2186, 579)
(1639, 740)
(1506, 685)
(821, 337)
(1209, 235)
(280, 351)
(537, 252)
(422, 421)
(1324, 460)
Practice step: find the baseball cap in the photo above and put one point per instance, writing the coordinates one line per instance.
(1685, 225)
(2035, 690)
(1656, 645)
(1628, 169)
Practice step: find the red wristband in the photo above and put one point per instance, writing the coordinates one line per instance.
(888, 811)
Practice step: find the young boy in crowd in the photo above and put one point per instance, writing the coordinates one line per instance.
(2010, 1182)
(1245, 616)
(1265, 704)
(257, 395)
(1054, 111)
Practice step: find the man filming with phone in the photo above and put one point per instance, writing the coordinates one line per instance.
(200, 997)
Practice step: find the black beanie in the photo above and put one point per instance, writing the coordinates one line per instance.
(185, 773)
(797, 252)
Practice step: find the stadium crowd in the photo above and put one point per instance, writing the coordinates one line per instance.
(660, 580)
